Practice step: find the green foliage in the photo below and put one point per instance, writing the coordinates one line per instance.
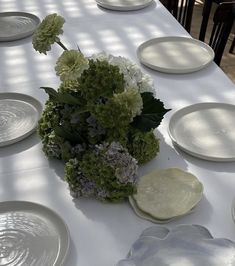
(101, 80)
(100, 121)
(62, 97)
(50, 118)
(143, 146)
(97, 171)
(112, 114)
(152, 113)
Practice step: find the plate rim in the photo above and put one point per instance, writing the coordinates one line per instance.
(25, 98)
(148, 217)
(233, 209)
(33, 206)
(173, 70)
(124, 8)
(21, 35)
(196, 107)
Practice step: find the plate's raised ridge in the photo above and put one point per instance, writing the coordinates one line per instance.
(124, 5)
(174, 54)
(205, 130)
(31, 234)
(19, 114)
(17, 25)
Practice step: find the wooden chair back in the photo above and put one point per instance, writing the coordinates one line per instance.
(182, 10)
(223, 21)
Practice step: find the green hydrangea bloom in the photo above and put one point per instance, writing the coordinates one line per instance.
(100, 80)
(49, 118)
(117, 134)
(107, 173)
(70, 65)
(73, 175)
(51, 145)
(47, 33)
(131, 100)
(118, 112)
(69, 86)
(143, 146)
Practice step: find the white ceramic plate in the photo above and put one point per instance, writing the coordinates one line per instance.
(205, 130)
(19, 115)
(17, 25)
(168, 193)
(233, 209)
(175, 54)
(182, 245)
(124, 5)
(31, 234)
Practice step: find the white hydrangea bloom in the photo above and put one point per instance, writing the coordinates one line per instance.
(99, 56)
(147, 84)
(133, 76)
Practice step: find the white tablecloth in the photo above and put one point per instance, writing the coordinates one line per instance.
(101, 234)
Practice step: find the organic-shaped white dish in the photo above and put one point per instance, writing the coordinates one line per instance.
(183, 245)
(168, 193)
(31, 234)
(19, 114)
(147, 216)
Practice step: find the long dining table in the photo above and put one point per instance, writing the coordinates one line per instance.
(102, 233)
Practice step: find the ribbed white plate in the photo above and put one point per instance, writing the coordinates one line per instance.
(124, 5)
(31, 234)
(19, 115)
(205, 130)
(233, 210)
(17, 25)
(175, 54)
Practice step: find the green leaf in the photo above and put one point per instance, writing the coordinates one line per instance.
(61, 97)
(152, 113)
(53, 94)
(68, 98)
(73, 137)
(81, 111)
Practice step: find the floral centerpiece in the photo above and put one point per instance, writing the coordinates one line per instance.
(100, 120)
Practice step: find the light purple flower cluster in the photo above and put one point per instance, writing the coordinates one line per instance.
(86, 188)
(124, 165)
(106, 172)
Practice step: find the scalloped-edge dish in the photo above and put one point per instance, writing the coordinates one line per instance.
(168, 193)
(19, 115)
(148, 217)
(182, 245)
(32, 234)
(205, 130)
(175, 54)
(124, 5)
(17, 25)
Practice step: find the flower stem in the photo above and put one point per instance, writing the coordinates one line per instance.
(79, 49)
(61, 44)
